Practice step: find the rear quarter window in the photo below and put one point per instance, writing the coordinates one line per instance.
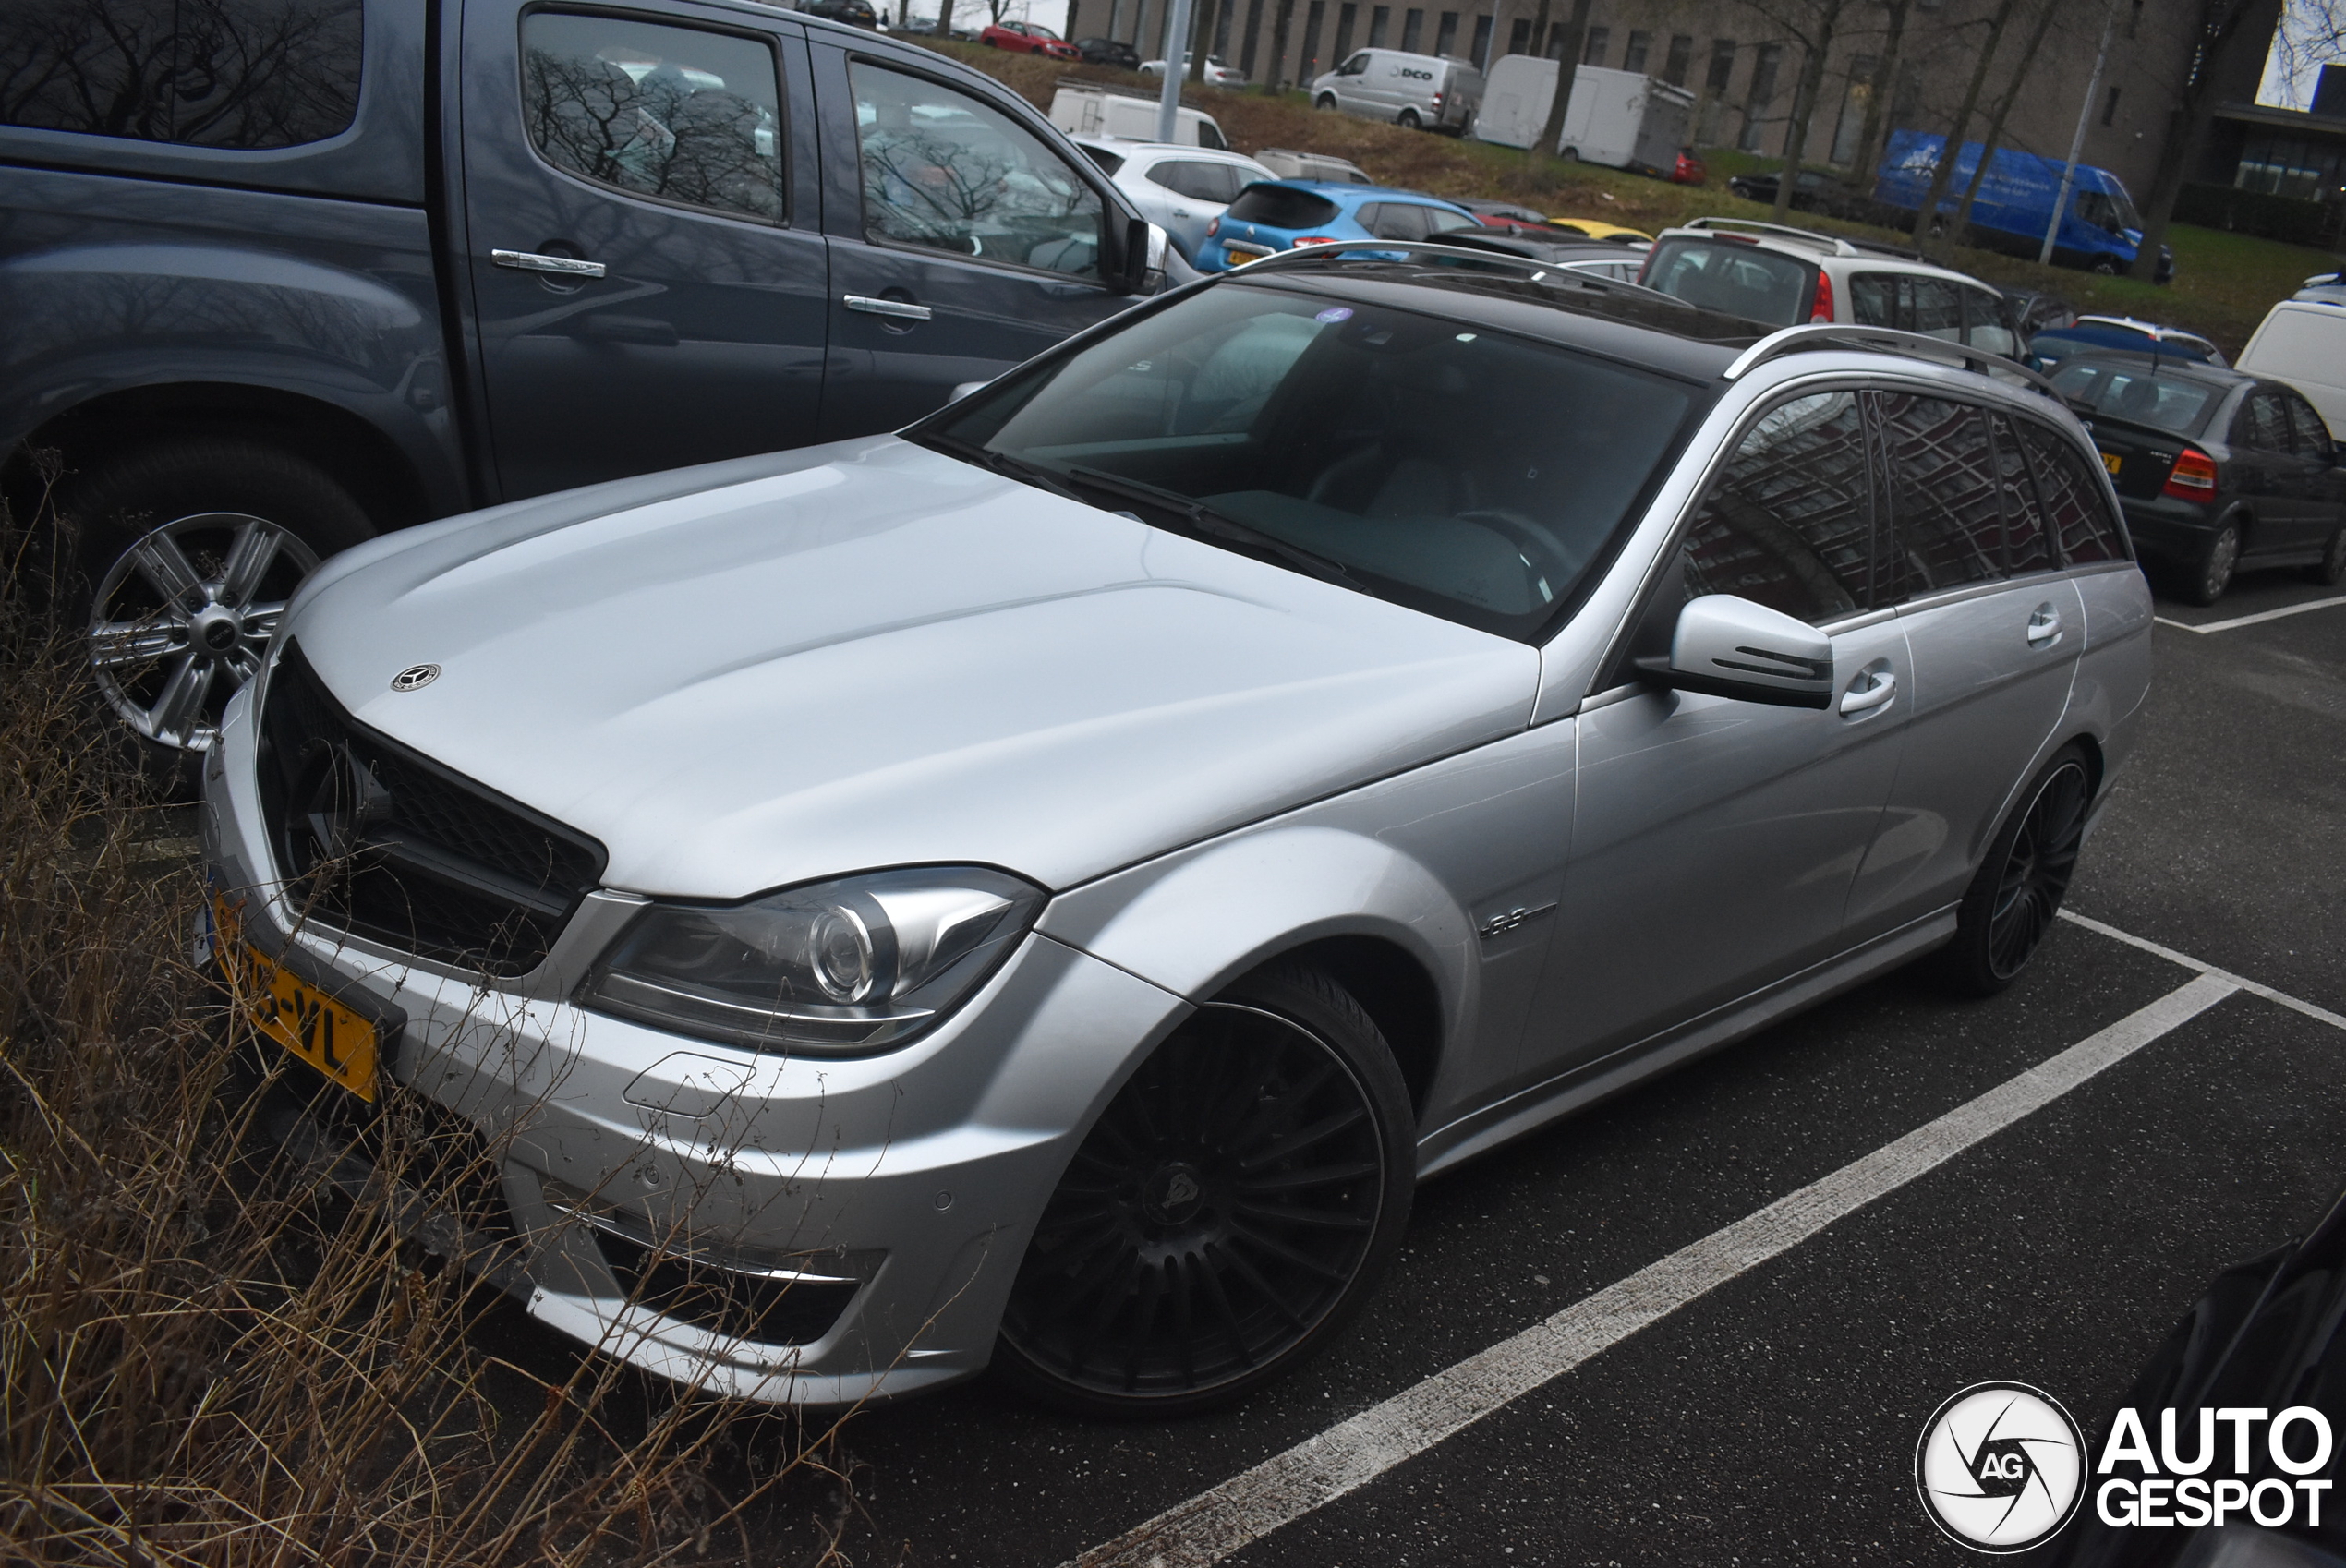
(248, 74)
(2074, 500)
(1281, 206)
(1738, 280)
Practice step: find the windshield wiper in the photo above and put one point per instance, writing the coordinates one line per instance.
(1204, 520)
(1006, 465)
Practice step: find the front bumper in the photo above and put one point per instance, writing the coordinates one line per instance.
(917, 1174)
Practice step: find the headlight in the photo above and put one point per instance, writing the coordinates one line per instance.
(847, 966)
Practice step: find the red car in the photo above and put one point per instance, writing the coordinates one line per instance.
(1689, 169)
(1028, 39)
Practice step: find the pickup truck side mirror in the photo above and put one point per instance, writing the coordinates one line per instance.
(1727, 646)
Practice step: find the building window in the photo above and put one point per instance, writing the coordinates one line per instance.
(1673, 70)
(1346, 17)
(1519, 36)
(2134, 20)
(1763, 94)
(1311, 21)
(1592, 50)
(1634, 57)
(1722, 66)
(2110, 108)
(1481, 39)
(1445, 36)
(1412, 30)
(1854, 99)
(1380, 25)
(1253, 35)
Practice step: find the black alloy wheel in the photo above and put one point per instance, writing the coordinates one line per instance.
(2013, 899)
(1231, 1209)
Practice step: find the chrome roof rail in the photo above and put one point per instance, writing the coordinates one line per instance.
(1883, 340)
(1833, 244)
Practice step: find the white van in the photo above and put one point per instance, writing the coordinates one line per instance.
(1622, 119)
(1415, 91)
(2303, 341)
(1092, 111)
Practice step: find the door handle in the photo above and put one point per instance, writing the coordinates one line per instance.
(2044, 626)
(1865, 699)
(562, 266)
(896, 308)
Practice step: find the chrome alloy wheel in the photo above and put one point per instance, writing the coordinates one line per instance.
(182, 617)
(1212, 1219)
(2036, 869)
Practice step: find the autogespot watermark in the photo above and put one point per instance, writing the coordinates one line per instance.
(2172, 1488)
(2001, 1467)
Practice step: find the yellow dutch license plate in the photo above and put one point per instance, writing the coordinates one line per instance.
(295, 1014)
(2110, 461)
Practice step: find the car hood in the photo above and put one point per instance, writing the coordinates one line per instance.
(870, 655)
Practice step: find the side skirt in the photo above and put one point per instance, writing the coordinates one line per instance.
(1482, 1131)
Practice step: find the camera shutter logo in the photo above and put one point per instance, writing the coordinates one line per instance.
(2001, 1467)
(415, 678)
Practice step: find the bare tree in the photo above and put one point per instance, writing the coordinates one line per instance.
(1280, 22)
(1878, 93)
(2046, 11)
(1576, 33)
(1943, 170)
(1201, 34)
(1812, 24)
(2222, 33)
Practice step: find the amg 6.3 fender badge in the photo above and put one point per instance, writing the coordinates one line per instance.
(2001, 1467)
(415, 678)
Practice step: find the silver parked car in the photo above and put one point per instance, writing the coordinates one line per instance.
(1181, 189)
(1041, 888)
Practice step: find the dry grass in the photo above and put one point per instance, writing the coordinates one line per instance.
(207, 1357)
(2224, 283)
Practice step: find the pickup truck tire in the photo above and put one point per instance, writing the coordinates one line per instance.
(185, 551)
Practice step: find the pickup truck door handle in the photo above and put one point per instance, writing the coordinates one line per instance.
(530, 261)
(1865, 699)
(2044, 626)
(898, 307)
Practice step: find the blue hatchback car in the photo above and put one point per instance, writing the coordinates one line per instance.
(1274, 215)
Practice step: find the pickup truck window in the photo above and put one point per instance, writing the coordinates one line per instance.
(944, 169)
(210, 73)
(668, 112)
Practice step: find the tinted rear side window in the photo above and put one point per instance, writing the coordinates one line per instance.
(1281, 206)
(1944, 496)
(2082, 524)
(1740, 280)
(1789, 524)
(244, 74)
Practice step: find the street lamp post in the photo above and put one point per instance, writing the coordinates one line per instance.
(2077, 143)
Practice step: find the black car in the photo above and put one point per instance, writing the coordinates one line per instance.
(2218, 471)
(2267, 1338)
(854, 13)
(1108, 52)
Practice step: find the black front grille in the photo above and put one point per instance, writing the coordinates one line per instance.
(374, 839)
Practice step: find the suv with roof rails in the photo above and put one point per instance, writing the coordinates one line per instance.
(1785, 276)
(1135, 823)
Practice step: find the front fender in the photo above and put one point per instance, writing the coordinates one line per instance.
(1194, 921)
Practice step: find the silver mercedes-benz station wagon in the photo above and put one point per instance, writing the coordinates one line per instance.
(1041, 888)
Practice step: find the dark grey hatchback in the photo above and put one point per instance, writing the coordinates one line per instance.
(2219, 470)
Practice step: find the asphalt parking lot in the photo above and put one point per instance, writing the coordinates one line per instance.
(1769, 1413)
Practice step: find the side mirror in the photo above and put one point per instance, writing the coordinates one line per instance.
(1141, 236)
(1727, 646)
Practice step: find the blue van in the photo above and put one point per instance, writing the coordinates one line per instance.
(2100, 232)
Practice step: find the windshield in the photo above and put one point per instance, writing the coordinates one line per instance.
(2138, 396)
(1738, 279)
(1463, 472)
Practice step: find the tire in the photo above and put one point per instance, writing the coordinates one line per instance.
(2104, 266)
(2021, 881)
(1408, 120)
(177, 616)
(1232, 1208)
(2212, 572)
(1570, 155)
(2330, 569)
(1325, 103)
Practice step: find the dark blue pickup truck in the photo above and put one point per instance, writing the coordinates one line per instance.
(279, 275)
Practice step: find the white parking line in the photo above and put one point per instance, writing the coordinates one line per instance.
(2173, 956)
(1319, 1469)
(2256, 620)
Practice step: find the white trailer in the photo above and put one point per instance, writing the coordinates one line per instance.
(1624, 119)
(1091, 111)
